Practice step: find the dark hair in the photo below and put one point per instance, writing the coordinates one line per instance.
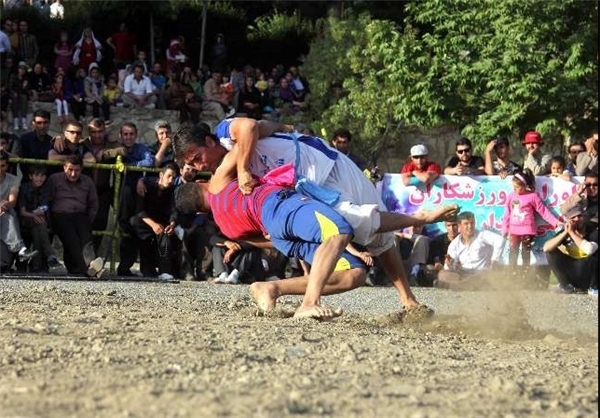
(170, 165)
(41, 113)
(578, 143)
(37, 169)
(188, 198)
(186, 135)
(343, 133)
(73, 159)
(527, 175)
(464, 141)
(3, 156)
(129, 125)
(501, 141)
(559, 159)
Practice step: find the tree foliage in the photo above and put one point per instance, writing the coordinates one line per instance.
(484, 66)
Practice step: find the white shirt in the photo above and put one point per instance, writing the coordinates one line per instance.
(57, 10)
(485, 247)
(138, 88)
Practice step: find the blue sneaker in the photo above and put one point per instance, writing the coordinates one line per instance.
(564, 289)
(593, 292)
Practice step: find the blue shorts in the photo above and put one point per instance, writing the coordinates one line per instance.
(297, 225)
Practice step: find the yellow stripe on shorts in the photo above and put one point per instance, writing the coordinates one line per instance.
(329, 229)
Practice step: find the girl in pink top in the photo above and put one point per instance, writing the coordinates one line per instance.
(518, 223)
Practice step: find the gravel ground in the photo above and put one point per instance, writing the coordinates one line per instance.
(196, 349)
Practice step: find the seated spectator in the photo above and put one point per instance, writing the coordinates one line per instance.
(438, 247)
(500, 165)
(159, 81)
(471, 256)
(587, 162)
(94, 93)
(138, 90)
(414, 248)
(112, 92)
(538, 163)
(464, 162)
(571, 253)
(249, 100)
(18, 90)
(420, 171)
(212, 93)
(181, 97)
(586, 196)
(73, 207)
(40, 85)
(154, 225)
(10, 231)
(75, 92)
(558, 168)
(60, 101)
(236, 262)
(33, 212)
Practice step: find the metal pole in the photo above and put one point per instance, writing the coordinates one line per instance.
(152, 57)
(203, 34)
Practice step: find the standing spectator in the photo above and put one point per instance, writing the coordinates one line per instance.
(40, 85)
(73, 146)
(33, 211)
(5, 47)
(470, 255)
(27, 49)
(571, 253)
(7, 69)
(219, 52)
(75, 91)
(138, 155)
(105, 152)
(94, 93)
(87, 50)
(138, 90)
(73, 206)
(464, 162)
(10, 233)
(420, 171)
(162, 149)
(57, 10)
(124, 43)
(587, 162)
(7, 144)
(538, 163)
(159, 81)
(62, 107)
(154, 225)
(518, 222)
(63, 50)
(574, 150)
(37, 143)
(18, 88)
(502, 165)
(176, 57)
(341, 141)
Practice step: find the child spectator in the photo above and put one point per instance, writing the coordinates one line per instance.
(518, 223)
(227, 91)
(33, 211)
(58, 88)
(112, 92)
(558, 168)
(196, 85)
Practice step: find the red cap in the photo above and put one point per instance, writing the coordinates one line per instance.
(533, 137)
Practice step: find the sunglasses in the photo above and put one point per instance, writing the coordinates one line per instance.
(588, 185)
(464, 150)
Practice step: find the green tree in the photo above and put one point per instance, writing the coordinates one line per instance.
(484, 66)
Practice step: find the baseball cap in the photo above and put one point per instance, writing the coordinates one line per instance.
(23, 64)
(532, 137)
(418, 150)
(571, 210)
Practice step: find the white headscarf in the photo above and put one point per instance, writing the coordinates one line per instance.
(97, 44)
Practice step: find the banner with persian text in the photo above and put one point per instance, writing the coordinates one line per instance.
(485, 196)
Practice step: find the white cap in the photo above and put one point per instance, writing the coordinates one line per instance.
(418, 150)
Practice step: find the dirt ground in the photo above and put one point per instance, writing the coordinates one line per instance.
(113, 349)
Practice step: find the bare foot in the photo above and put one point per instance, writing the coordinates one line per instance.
(264, 294)
(443, 213)
(318, 312)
